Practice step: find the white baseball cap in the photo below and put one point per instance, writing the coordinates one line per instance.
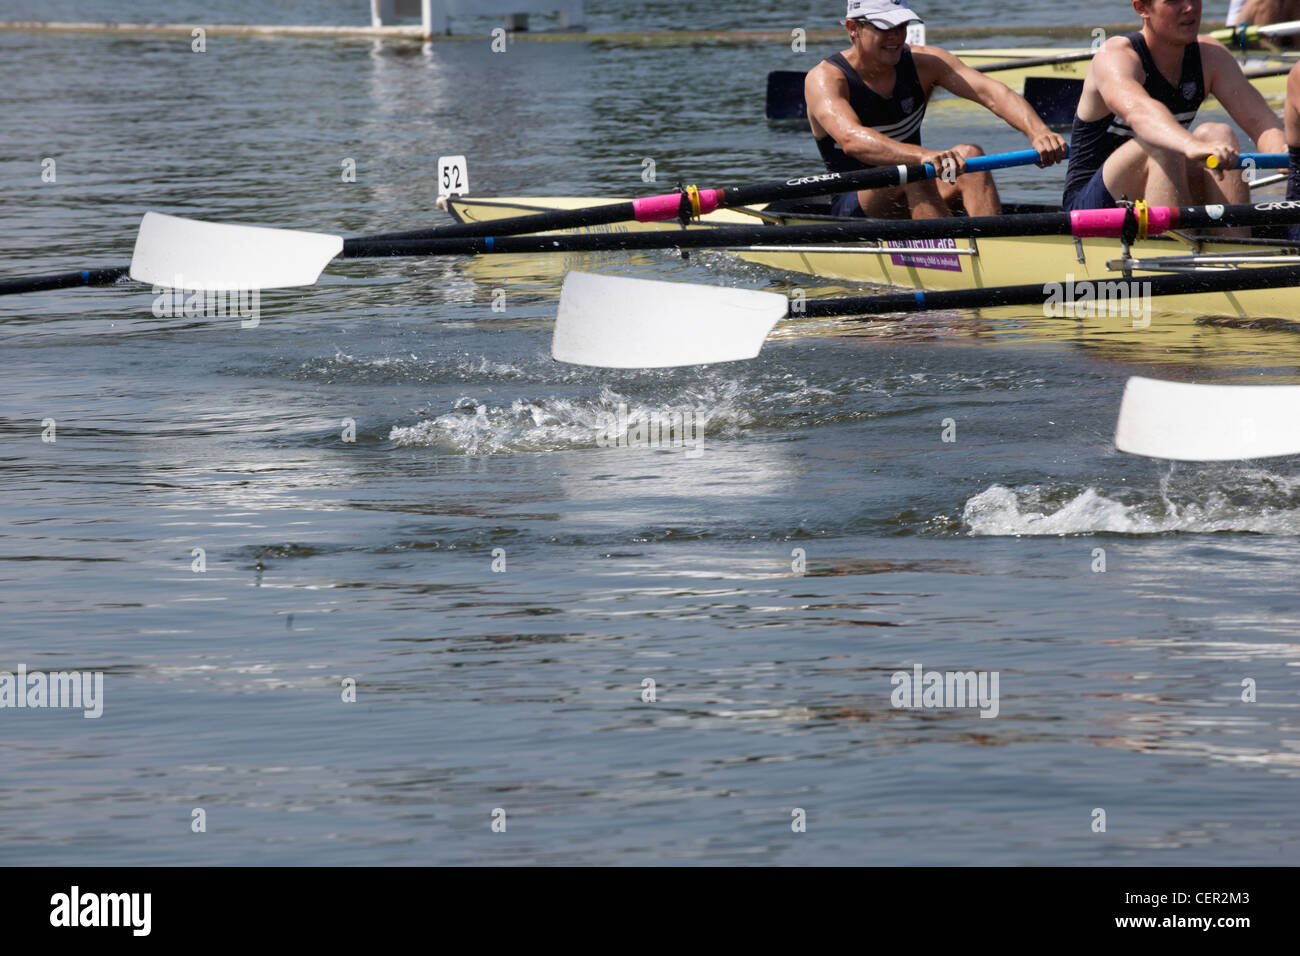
(884, 14)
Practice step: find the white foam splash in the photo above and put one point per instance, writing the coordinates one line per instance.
(1218, 505)
(553, 424)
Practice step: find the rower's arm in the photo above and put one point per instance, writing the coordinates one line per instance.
(827, 94)
(1117, 72)
(944, 69)
(1244, 103)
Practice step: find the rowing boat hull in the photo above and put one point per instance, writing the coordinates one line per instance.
(947, 264)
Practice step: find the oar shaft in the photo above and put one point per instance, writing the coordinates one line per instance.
(1034, 224)
(1180, 284)
(1033, 61)
(669, 206)
(1084, 223)
(1244, 32)
(63, 280)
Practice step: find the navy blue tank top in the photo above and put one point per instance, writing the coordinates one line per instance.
(898, 117)
(1092, 142)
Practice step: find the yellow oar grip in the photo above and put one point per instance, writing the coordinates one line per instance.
(1140, 210)
(1212, 161)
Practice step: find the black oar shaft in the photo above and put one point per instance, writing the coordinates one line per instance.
(536, 222)
(1035, 224)
(1035, 61)
(824, 184)
(797, 188)
(63, 280)
(1228, 280)
(653, 208)
(858, 230)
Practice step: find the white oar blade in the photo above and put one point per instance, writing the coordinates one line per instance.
(190, 254)
(615, 322)
(1185, 422)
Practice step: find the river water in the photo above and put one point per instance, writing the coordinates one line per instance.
(497, 591)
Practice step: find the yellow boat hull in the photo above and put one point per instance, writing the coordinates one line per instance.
(1248, 329)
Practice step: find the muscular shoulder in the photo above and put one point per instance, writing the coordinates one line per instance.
(1117, 53)
(825, 77)
(1216, 59)
(932, 62)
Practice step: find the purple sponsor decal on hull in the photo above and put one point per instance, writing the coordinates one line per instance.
(951, 263)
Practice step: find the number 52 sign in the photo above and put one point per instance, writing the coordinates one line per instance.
(453, 176)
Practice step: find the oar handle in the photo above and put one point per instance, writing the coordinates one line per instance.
(1260, 161)
(979, 164)
(878, 177)
(1264, 160)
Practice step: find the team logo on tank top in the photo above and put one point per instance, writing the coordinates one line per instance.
(1189, 89)
(907, 104)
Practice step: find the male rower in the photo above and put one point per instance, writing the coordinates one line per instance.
(866, 103)
(1132, 128)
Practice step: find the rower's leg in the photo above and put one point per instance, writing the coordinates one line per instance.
(1229, 186)
(891, 203)
(1167, 181)
(1126, 171)
(974, 192)
(925, 201)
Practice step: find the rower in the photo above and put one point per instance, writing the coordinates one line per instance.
(1132, 132)
(866, 103)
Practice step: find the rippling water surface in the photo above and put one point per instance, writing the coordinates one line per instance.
(500, 587)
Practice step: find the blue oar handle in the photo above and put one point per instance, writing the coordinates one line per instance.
(979, 164)
(1024, 157)
(1258, 160)
(1264, 160)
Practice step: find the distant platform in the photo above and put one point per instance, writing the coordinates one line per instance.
(414, 34)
